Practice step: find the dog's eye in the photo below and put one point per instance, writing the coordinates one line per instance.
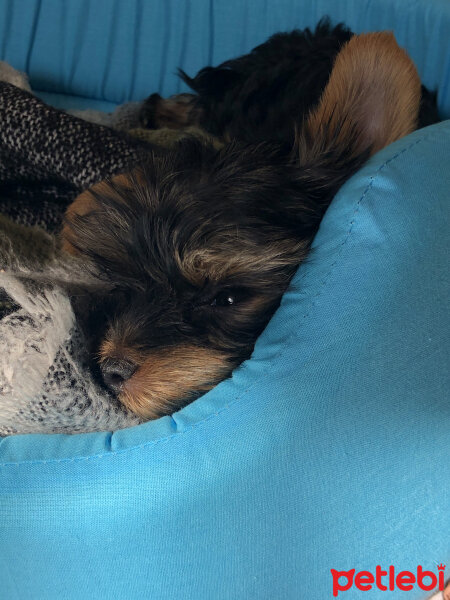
(226, 298)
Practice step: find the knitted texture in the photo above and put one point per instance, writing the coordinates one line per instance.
(45, 382)
(46, 158)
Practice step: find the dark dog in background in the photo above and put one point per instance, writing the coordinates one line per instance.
(194, 248)
(264, 95)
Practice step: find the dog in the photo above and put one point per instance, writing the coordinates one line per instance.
(194, 249)
(262, 96)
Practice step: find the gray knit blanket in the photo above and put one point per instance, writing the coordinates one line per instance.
(47, 157)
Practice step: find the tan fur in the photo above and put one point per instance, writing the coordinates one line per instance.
(119, 350)
(82, 205)
(165, 376)
(221, 261)
(174, 112)
(85, 203)
(372, 98)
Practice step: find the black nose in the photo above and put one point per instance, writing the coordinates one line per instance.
(116, 371)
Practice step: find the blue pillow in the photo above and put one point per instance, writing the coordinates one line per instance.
(328, 449)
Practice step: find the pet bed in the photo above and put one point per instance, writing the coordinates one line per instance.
(329, 448)
(46, 385)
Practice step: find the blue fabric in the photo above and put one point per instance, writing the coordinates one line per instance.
(329, 448)
(119, 50)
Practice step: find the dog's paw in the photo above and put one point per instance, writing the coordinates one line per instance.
(13, 76)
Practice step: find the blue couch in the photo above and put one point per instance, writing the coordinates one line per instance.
(330, 447)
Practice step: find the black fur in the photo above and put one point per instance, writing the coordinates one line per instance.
(243, 201)
(261, 96)
(196, 247)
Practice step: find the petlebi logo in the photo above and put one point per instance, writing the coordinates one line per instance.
(388, 578)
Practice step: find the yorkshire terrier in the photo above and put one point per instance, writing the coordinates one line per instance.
(195, 248)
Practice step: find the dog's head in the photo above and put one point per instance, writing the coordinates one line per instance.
(197, 246)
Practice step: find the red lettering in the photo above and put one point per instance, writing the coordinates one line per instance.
(404, 581)
(363, 580)
(379, 574)
(337, 587)
(391, 578)
(421, 574)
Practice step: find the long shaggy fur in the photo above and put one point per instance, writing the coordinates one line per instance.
(196, 246)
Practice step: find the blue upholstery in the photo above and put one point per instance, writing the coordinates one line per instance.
(330, 447)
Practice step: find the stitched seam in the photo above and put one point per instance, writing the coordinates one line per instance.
(238, 398)
(352, 222)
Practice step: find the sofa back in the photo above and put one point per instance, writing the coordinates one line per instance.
(119, 50)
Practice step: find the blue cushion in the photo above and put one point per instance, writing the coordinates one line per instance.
(329, 448)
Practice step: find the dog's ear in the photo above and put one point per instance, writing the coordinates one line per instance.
(76, 233)
(372, 98)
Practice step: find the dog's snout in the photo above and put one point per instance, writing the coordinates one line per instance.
(116, 371)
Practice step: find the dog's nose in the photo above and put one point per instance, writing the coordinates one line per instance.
(116, 371)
